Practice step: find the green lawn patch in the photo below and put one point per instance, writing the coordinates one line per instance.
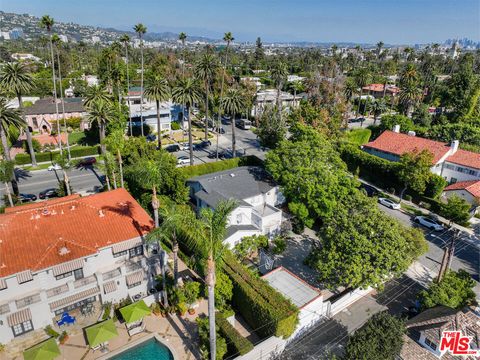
(359, 136)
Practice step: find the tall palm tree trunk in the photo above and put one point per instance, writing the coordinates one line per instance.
(9, 194)
(120, 166)
(114, 178)
(27, 132)
(6, 154)
(128, 96)
(221, 97)
(175, 258)
(66, 182)
(159, 125)
(63, 106)
(234, 139)
(155, 205)
(141, 90)
(210, 281)
(101, 131)
(59, 138)
(190, 139)
(206, 109)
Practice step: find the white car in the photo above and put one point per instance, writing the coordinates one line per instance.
(389, 203)
(428, 223)
(186, 147)
(183, 160)
(54, 167)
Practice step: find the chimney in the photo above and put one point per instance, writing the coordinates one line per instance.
(411, 133)
(396, 128)
(454, 146)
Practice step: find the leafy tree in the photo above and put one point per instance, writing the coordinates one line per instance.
(311, 173)
(361, 246)
(455, 291)
(315, 116)
(116, 142)
(381, 338)
(249, 245)
(205, 346)
(6, 174)
(421, 116)
(414, 171)
(223, 290)
(456, 210)
(378, 107)
(15, 77)
(259, 53)
(271, 128)
(389, 121)
(157, 89)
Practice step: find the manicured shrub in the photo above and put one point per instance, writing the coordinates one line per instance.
(236, 343)
(208, 168)
(175, 125)
(76, 151)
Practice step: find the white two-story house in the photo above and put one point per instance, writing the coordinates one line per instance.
(60, 254)
(257, 197)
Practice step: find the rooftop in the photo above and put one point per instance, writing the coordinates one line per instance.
(40, 235)
(291, 286)
(240, 183)
(473, 187)
(47, 106)
(467, 158)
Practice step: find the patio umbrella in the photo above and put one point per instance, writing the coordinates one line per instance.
(47, 350)
(101, 332)
(135, 312)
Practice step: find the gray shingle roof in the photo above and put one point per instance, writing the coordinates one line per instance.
(47, 106)
(234, 228)
(239, 183)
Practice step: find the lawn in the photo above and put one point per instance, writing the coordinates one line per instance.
(359, 136)
(76, 137)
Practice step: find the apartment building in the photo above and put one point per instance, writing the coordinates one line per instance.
(64, 253)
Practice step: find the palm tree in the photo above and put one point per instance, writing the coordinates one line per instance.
(101, 112)
(228, 38)
(96, 93)
(125, 39)
(409, 95)
(47, 22)
(183, 37)
(205, 70)
(15, 78)
(9, 118)
(207, 235)
(64, 163)
(6, 174)
(141, 29)
(362, 78)
(187, 92)
(296, 86)
(232, 104)
(115, 142)
(157, 89)
(378, 108)
(279, 73)
(109, 168)
(379, 48)
(56, 40)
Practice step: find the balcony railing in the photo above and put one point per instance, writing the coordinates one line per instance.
(4, 309)
(84, 282)
(133, 266)
(57, 290)
(29, 300)
(111, 274)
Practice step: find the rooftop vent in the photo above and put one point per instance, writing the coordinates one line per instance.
(63, 250)
(101, 213)
(411, 133)
(72, 207)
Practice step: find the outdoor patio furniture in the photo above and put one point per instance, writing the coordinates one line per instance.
(66, 319)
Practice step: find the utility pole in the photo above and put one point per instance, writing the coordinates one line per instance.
(448, 255)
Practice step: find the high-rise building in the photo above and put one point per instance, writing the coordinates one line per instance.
(16, 33)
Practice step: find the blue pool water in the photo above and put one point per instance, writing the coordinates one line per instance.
(148, 350)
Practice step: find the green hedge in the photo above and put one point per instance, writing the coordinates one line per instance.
(264, 308)
(236, 343)
(76, 151)
(383, 173)
(207, 168)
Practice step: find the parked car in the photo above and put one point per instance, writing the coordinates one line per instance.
(54, 167)
(26, 197)
(243, 124)
(185, 146)
(429, 223)
(183, 160)
(202, 145)
(172, 148)
(89, 161)
(49, 193)
(389, 203)
(370, 190)
(151, 137)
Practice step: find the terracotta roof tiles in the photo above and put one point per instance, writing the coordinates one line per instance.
(473, 187)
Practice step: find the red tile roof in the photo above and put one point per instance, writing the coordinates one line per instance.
(466, 158)
(380, 87)
(399, 144)
(31, 236)
(473, 187)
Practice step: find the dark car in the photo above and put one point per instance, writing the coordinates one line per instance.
(172, 148)
(151, 137)
(49, 193)
(27, 197)
(220, 130)
(370, 190)
(89, 161)
(202, 145)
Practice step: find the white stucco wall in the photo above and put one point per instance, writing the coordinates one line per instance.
(462, 194)
(237, 237)
(448, 174)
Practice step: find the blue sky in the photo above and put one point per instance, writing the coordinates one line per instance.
(365, 21)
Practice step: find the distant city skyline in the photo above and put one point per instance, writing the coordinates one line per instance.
(366, 21)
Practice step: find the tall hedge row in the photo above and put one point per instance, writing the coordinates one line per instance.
(77, 151)
(236, 343)
(265, 309)
(207, 168)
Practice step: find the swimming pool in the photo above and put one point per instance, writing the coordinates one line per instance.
(148, 350)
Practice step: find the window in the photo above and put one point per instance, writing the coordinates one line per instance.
(430, 344)
(35, 122)
(133, 285)
(63, 276)
(136, 251)
(78, 274)
(121, 253)
(453, 180)
(75, 306)
(22, 328)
